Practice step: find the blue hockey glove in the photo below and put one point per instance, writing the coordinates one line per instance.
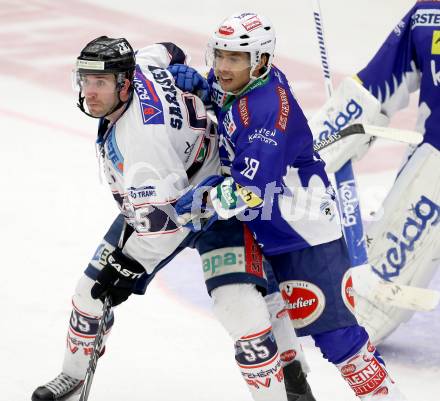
(192, 209)
(188, 79)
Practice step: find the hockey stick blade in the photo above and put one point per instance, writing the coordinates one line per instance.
(406, 136)
(368, 285)
(407, 297)
(394, 134)
(106, 308)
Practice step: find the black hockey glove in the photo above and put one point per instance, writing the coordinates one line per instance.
(117, 278)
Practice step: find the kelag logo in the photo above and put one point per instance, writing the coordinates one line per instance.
(349, 200)
(425, 214)
(352, 111)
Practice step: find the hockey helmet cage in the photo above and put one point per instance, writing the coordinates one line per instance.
(245, 32)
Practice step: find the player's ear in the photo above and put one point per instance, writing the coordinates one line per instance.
(262, 64)
(125, 91)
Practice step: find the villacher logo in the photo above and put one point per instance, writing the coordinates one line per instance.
(305, 302)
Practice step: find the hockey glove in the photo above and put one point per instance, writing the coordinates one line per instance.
(193, 209)
(117, 278)
(188, 79)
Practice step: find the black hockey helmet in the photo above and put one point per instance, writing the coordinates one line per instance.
(105, 55)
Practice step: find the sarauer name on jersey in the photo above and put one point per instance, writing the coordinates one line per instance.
(161, 76)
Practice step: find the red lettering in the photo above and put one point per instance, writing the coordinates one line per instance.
(257, 383)
(367, 380)
(279, 376)
(244, 111)
(284, 109)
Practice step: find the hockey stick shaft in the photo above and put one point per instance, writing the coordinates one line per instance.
(345, 182)
(106, 309)
(410, 137)
(97, 345)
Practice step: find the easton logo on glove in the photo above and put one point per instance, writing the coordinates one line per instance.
(117, 278)
(124, 272)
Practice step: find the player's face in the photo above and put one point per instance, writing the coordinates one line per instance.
(100, 93)
(232, 69)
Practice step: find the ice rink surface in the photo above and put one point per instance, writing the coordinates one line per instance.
(165, 346)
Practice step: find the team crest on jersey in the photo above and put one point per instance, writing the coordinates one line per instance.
(305, 302)
(151, 106)
(435, 48)
(229, 124)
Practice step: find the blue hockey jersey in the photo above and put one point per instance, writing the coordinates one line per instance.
(266, 146)
(410, 60)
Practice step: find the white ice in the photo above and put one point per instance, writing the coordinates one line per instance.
(165, 345)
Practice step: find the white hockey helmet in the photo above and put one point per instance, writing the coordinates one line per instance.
(245, 32)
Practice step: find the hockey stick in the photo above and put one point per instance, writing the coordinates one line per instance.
(106, 309)
(410, 137)
(352, 223)
(401, 296)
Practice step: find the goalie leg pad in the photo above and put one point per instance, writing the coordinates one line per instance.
(403, 243)
(242, 311)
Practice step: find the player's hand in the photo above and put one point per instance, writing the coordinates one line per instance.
(193, 209)
(188, 79)
(117, 278)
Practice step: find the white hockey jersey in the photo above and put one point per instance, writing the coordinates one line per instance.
(160, 145)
